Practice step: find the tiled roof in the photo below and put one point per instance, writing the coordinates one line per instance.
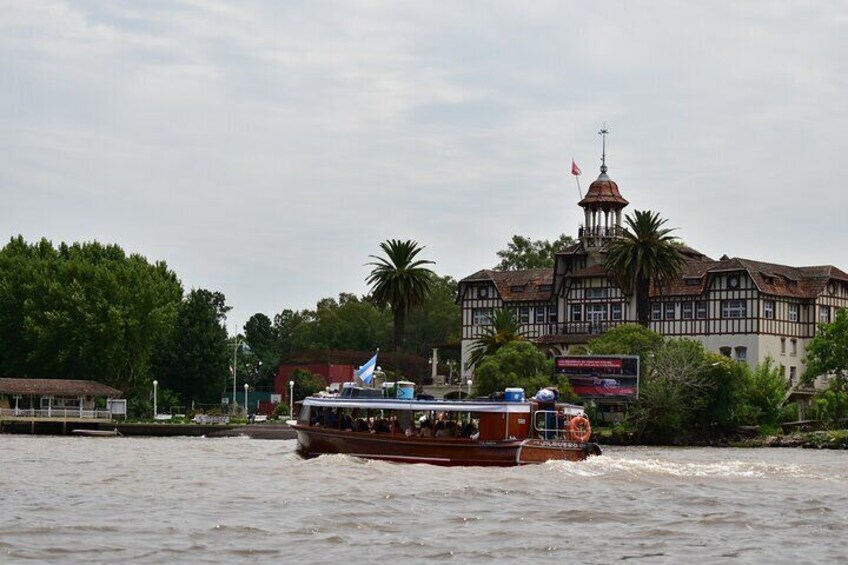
(507, 283)
(604, 191)
(58, 387)
(770, 278)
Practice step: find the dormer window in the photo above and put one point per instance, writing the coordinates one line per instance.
(546, 287)
(517, 288)
(693, 282)
(768, 279)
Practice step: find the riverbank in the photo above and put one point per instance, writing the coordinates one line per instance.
(828, 439)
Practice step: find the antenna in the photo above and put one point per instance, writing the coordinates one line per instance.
(603, 133)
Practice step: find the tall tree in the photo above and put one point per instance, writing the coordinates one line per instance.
(828, 351)
(195, 362)
(400, 281)
(504, 328)
(645, 255)
(438, 321)
(524, 253)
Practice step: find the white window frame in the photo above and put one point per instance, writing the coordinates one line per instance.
(701, 310)
(687, 312)
(481, 316)
(824, 314)
(734, 309)
(794, 310)
(523, 314)
(793, 346)
(597, 308)
(656, 311)
(768, 309)
(669, 311)
(616, 311)
(553, 315)
(575, 312)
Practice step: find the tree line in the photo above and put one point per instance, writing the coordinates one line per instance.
(91, 311)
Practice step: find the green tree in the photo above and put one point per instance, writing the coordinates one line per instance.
(517, 364)
(264, 356)
(438, 321)
(400, 281)
(83, 311)
(627, 339)
(504, 328)
(765, 391)
(195, 360)
(644, 255)
(827, 353)
(306, 384)
(524, 253)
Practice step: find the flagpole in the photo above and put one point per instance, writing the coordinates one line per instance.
(580, 192)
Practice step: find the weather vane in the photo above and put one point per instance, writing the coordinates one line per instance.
(603, 133)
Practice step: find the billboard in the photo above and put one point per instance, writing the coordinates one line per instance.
(601, 376)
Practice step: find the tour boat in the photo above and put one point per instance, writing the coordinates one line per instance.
(505, 432)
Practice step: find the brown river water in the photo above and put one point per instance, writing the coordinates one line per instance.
(198, 500)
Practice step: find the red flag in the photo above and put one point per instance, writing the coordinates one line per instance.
(575, 170)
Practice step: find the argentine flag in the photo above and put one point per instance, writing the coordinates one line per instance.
(366, 372)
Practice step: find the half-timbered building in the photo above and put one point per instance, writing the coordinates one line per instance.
(748, 310)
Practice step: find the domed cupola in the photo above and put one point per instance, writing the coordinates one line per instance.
(602, 206)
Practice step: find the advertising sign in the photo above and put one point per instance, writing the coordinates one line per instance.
(598, 377)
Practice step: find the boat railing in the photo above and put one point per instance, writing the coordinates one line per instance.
(550, 424)
(56, 413)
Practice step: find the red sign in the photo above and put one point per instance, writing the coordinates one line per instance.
(588, 363)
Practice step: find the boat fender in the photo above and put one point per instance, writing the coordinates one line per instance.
(580, 429)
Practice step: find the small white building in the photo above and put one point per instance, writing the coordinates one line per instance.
(745, 309)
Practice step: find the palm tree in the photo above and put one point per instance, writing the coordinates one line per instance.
(400, 281)
(505, 328)
(646, 254)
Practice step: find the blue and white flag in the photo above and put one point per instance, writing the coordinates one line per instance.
(366, 372)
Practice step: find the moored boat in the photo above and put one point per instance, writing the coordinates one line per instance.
(506, 432)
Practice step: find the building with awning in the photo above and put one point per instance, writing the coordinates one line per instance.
(51, 399)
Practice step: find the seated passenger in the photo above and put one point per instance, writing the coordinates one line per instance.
(382, 427)
(450, 429)
(439, 429)
(426, 429)
(347, 422)
(468, 429)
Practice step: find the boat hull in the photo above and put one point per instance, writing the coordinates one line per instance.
(315, 441)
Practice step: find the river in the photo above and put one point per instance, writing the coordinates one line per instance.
(158, 500)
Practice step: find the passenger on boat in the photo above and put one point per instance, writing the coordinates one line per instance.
(426, 429)
(468, 429)
(361, 425)
(450, 429)
(381, 426)
(347, 422)
(439, 429)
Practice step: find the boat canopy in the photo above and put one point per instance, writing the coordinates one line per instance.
(431, 405)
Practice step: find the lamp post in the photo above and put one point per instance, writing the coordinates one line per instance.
(246, 388)
(291, 400)
(155, 394)
(236, 344)
(469, 382)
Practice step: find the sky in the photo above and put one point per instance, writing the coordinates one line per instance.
(265, 149)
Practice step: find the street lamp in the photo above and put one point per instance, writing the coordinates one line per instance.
(246, 387)
(155, 394)
(236, 344)
(469, 382)
(291, 400)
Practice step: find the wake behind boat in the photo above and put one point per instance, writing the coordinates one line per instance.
(513, 431)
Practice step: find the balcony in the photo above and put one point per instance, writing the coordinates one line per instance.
(54, 414)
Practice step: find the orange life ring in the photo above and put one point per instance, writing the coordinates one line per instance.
(580, 429)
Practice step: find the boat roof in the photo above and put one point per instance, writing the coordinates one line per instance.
(430, 405)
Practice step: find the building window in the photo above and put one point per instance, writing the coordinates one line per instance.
(546, 287)
(616, 312)
(540, 314)
(824, 314)
(741, 353)
(686, 310)
(524, 315)
(669, 310)
(552, 315)
(595, 293)
(793, 347)
(693, 282)
(483, 292)
(734, 308)
(768, 309)
(793, 312)
(783, 346)
(656, 311)
(701, 310)
(726, 351)
(576, 312)
(517, 288)
(481, 316)
(793, 373)
(596, 312)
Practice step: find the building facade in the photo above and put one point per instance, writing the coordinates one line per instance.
(747, 310)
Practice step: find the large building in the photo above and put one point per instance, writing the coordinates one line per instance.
(744, 309)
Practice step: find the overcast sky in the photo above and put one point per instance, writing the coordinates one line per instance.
(264, 149)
